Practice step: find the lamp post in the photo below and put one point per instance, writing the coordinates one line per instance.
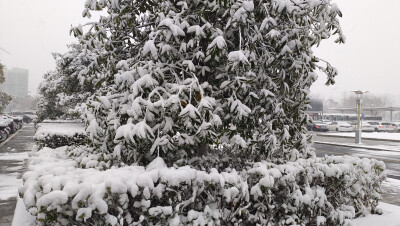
(359, 94)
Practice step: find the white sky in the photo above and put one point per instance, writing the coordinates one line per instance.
(369, 60)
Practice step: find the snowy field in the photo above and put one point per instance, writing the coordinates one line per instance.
(377, 135)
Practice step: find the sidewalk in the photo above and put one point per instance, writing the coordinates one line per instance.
(13, 154)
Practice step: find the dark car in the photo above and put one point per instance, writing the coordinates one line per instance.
(318, 126)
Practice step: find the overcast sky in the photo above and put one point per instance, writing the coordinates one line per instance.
(369, 60)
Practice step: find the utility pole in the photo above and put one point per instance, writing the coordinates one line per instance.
(359, 126)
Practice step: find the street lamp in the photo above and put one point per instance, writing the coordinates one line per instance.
(359, 94)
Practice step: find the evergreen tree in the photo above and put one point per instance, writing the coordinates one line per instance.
(187, 78)
(62, 90)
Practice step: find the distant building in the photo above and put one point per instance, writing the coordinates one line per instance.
(316, 111)
(16, 83)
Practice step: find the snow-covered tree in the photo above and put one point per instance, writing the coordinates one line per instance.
(198, 118)
(185, 78)
(62, 90)
(4, 97)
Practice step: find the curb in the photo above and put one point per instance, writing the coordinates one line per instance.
(355, 146)
(364, 138)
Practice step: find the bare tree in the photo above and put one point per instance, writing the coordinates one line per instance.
(369, 100)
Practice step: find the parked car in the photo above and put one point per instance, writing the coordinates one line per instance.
(396, 126)
(340, 126)
(318, 126)
(366, 127)
(381, 126)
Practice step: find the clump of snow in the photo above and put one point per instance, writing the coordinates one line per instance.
(237, 56)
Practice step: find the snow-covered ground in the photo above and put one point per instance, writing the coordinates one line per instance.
(377, 135)
(390, 217)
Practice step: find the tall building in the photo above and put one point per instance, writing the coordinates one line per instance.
(16, 83)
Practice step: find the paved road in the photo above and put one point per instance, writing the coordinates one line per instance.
(391, 159)
(13, 154)
(391, 193)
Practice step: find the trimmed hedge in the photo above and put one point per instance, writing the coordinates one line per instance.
(62, 187)
(54, 135)
(55, 140)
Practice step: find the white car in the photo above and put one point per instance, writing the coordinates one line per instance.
(396, 126)
(366, 127)
(340, 127)
(382, 126)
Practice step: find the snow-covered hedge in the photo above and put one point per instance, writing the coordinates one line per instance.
(67, 186)
(57, 134)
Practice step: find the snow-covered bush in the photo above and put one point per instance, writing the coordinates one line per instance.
(63, 187)
(60, 134)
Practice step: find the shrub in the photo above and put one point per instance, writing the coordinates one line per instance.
(62, 187)
(60, 134)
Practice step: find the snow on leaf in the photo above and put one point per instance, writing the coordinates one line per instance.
(189, 64)
(218, 41)
(128, 131)
(238, 107)
(135, 110)
(267, 93)
(285, 50)
(160, 141)
(206, 103)
(237, 56)
(105, 101)
(225, 84)
(248, 5)
(176, 30)
(197, 30)
(274, 33)
(190, 111)
(203, 127)
(238, 140)
(149, 47)
(145, 81)
(157, 163)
